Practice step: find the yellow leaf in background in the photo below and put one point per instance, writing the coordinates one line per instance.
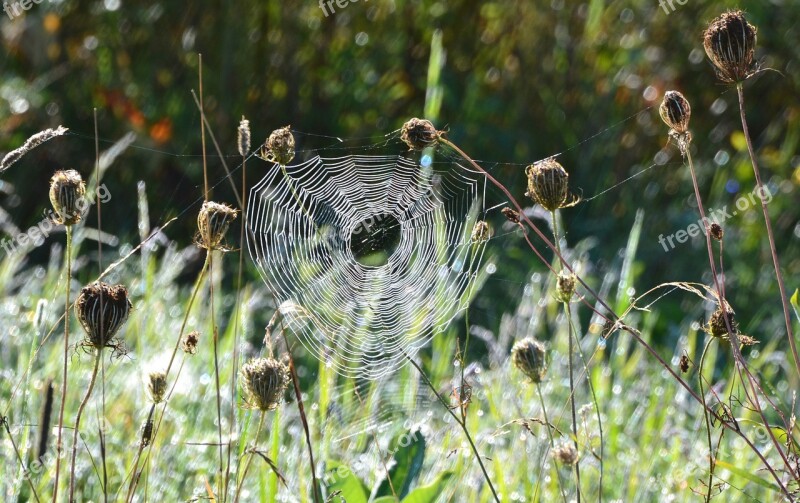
(738, 141)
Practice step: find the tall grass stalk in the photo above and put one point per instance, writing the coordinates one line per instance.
(551, 447)
(67, 304)
(250, 454)
(76, 431)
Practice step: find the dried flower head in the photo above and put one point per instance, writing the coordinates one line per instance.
(243, 137)
(716, 231)
(548, 185)
(102, 309)
(156, 383)
(67, 192)
(565, 286)
(264, 380)
(684, 364)
(730, 43)
(675, 112)
(279, 147)
(530, 357)
(147, 432)
(419, 134)
(566, 454)
(212, 224)
(481, 232)
(511, 215)
(189, 342)
(717, 327)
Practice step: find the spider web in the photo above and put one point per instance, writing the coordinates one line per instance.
(369, 256)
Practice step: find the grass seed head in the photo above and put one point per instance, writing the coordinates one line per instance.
(716, 232)
(566, 454)
(279, 147)
(156, 386)
(147, 432)
(530, 357)
(189, 342)
(481, 232)
(243, 137)
(419, 134)
(730, 43)
(102, 309)
(565, 286)
(548, 185)
(264, 381)
(675, 112)
(212, 224)
(67, 191)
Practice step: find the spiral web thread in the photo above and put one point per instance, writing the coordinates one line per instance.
(363, 320)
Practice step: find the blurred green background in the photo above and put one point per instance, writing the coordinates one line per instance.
(521, 81)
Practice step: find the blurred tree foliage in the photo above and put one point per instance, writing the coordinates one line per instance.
(522, 81)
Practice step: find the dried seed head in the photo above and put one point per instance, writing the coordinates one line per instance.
(279, 147)
(529, 356)
(102, 309)
(511, 215)
(243, 137)
(147, 432)
(67, 192)
(676, 112)
(212, 223)
(684, 364)
(156, 386)
(716, 232)
(264, 380)
(481, 232)
(548, 185)
(418, 134)
(189, 342)
(716, 324)
(730, 43)
(565, 286)
(566, 454)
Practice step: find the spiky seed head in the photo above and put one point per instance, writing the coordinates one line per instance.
(530, 357)
(67, 192)
(419, 134)
(716, 324)
(566, 454)
(279, 147)
(481, 232)
(189, 342)
(716, 231)
(675, 111)
(147, 432)
(243, 137)
(212, 224)
(730, 43)
(565, 286)
(548, 185)
(102, 309)
(264, 380)
(511, 215)
(156, 386)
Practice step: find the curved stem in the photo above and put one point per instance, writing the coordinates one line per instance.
(60, 444)
(76, 431)
(552, 446)
(711, 461)
(249, 458)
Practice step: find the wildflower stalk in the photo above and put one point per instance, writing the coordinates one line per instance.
(68, 256)
(711, 458)
(76, 431)
(249, 455)
(552, 444)
(4, 421)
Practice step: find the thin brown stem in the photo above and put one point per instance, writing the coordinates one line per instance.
(711, 461)
(552, 446)
(76, 431)
(26, 475)
(249, 458)
(60, 444)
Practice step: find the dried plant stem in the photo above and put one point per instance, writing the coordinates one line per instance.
(711, 461)
(4, 421)
(568, 314)
(460, 423)
(60, 444)
(773, 250)
(249, 458)
(552, 446)
(215, 332)
(76, 431)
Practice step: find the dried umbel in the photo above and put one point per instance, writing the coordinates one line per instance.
(530, 357)
(419, 134)
(675, 112)
(730, 43)
(102, 309)
(156, 383)
(212, 224)
(566, 454)
(480, 232)
(716, 232)
(67, 192)
(189, 342)
(565, 286)
(548, 185)
(717, 327)
(511, 215)
(264, 380)
(279, 147)
(243, 137)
